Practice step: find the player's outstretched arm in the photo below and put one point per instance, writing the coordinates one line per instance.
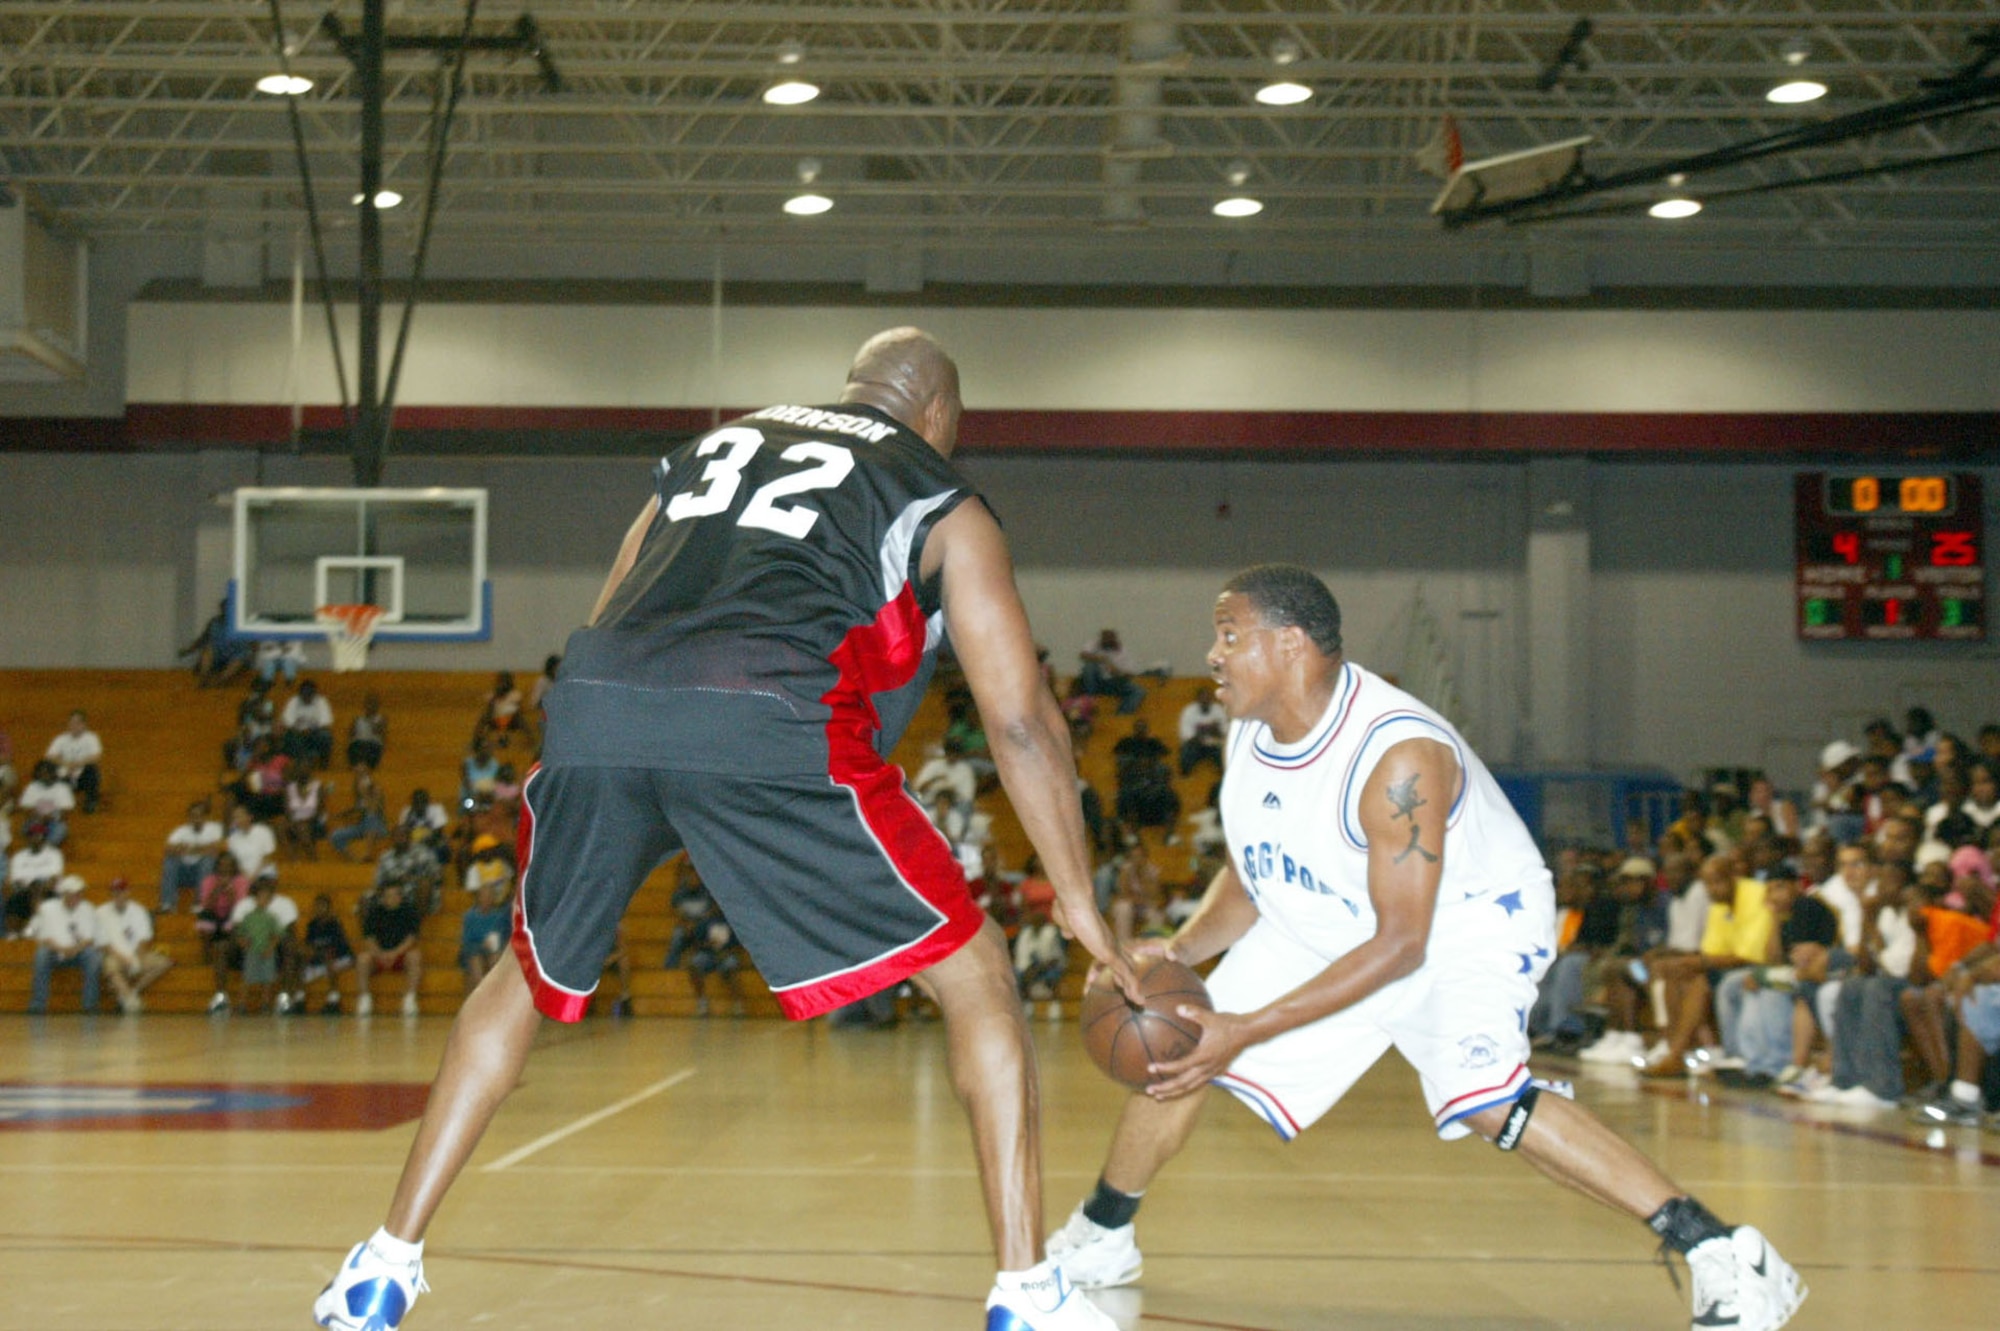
(628, 554)
(1403, 810)
(1225, 915)
(1024, 726)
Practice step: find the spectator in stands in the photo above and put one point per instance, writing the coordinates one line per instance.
(947, 769)
(364, 819)
(1876, 797)
(307, 721)
(77, 753)
(32, 874)
(239, 751)
(1972, 991)
(1833, 793)
(225, 886)
(478, 771)
(964, 734)
(1587, 924)
(425, 820)
(64, 928)
(250, 842)
(48, 800)
(1755, 1004)
(327, 954)
(217, 655)
(258, 711)
(1107, 673)
(191, 851)
(367, 734)
(1780, 813)
(1203, 724)
(507, 791)
(1205, 835)
(488, 865)
(1000, 898)
(1947, 935)
(500, 718)
(1737, 933)
(305, 809)
(10, 780)
(1844, 892)
(412, 871)
(1952, 791)
(1138, 905)
(1897, 839)
(232, 947)
(255, 935)
(1867, 1034)
(276, 658)
(483, 934)
(1146, 794)
(1982, 797)
(703, 944)
(545, 681)
(261, 788)
(389, 942)
(1636, 928)
(1041, 956)
(125, 931)
(619, 965)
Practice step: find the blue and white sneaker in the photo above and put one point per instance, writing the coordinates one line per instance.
(369, 1293)
(1042, 1299)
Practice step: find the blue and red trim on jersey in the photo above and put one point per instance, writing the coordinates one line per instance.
(552, 1000)
(880, 657)
(1350, 832)
(1343, 703)
(1472, 1102)
(1267, 1106)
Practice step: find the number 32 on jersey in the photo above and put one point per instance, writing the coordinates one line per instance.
(723, 477)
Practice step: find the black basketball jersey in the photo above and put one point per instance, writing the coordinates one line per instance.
(774, 621)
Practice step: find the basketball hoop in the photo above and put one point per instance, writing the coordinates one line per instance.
(349, 630)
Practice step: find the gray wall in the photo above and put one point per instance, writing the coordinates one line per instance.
(113, 561)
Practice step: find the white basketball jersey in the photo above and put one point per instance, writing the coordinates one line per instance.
(1291, 813)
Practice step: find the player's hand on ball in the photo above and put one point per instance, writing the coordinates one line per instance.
(1224, 1035)
(1124, 965)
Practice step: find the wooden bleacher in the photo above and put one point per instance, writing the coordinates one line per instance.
(163, 738)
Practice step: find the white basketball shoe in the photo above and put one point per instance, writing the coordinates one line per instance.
(369, 1292)
(1741, 1284)
(1042, 1299)
(1096, 1257)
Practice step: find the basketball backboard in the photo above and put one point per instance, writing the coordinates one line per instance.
(1510, 176)
(418, 554)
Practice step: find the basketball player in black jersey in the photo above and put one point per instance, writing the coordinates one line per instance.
(761, 642)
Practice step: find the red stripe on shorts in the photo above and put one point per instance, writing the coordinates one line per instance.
(551, 999)
(875, 658)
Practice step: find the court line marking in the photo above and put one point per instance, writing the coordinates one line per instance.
(591, 1119)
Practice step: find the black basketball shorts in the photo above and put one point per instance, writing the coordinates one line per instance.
(837, 889)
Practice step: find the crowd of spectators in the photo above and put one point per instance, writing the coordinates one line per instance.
(1839, 950)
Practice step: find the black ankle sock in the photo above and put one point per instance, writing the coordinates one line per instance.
(1111, 1208)
(1683, 1224)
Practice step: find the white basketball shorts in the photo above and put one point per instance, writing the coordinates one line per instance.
(1461, 1022)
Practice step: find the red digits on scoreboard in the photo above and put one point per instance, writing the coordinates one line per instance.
(1953, 549)
(1847, 545)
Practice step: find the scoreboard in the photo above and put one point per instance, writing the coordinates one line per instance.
(1890, 557)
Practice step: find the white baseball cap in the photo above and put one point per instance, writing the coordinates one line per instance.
(1836, 753)
(69, 883)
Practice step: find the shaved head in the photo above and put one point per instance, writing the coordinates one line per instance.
(904, 372)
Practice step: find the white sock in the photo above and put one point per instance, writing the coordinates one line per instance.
(392, 1249)
(1034, 1272)
(1965, 1092)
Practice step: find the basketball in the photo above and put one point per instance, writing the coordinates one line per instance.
(1123, 1038)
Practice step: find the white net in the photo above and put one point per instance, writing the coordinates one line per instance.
(349, 630)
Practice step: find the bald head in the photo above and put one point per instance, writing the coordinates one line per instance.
(904, 372)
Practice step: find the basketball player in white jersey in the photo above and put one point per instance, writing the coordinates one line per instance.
(1381, 892)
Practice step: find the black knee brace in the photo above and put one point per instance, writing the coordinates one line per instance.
(1509, 1136)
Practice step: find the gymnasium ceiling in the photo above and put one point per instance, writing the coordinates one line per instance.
(1059, 133)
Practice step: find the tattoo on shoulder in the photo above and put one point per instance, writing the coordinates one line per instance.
(1403, 794)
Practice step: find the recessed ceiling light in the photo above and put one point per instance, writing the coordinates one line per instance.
(1674, 209)
(792, 92)
(808, 205)
(386, 198)
(1283, 93)
(1238, 206)
(284, 85)
(1795, 91)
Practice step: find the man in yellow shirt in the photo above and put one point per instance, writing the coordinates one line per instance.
(1740, 927)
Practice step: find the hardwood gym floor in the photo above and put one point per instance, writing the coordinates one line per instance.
(168, 1173)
